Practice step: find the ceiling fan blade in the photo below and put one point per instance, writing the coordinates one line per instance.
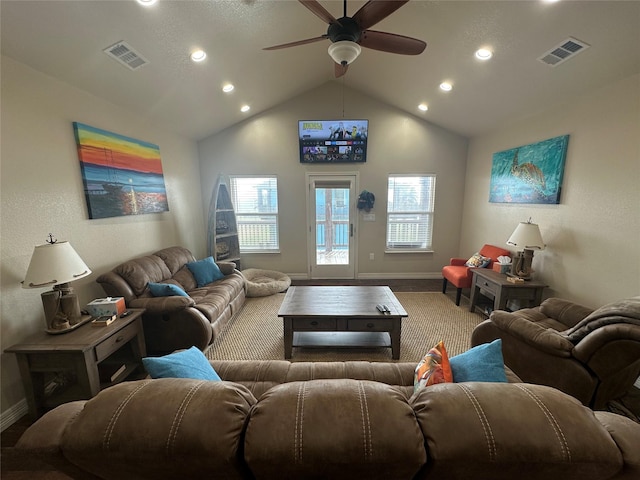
(375, 10)
(392, 43)
(340, 70)
(299, 42)
(319, 11)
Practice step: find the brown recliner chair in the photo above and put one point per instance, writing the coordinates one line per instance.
(592, 355)
(460, 275)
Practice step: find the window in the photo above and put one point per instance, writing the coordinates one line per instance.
(255, 200)
(410, 203)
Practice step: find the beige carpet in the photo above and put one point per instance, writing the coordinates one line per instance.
(256, 333)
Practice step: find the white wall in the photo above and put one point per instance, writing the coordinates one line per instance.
(398, 143)
(593, 235)
(42, 193)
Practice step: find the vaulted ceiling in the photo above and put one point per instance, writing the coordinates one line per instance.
(66, 39)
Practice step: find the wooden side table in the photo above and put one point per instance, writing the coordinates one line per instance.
(494, 284)
(56, 369)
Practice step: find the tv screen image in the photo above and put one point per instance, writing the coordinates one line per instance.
(333, 141)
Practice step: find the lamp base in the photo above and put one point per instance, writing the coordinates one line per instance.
(83, 319)
(521, 265)
(62, 309)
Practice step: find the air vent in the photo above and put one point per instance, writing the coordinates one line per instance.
(127, 56)
(563, 52)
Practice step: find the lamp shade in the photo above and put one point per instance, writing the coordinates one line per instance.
(53, 264)
(344, 52)
(526, 236)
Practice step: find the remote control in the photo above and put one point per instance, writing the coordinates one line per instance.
(382, 308)
(126, 313)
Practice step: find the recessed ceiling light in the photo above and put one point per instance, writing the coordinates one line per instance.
(245, 108)
(446, 86)
(423, 106)
(198, 55)
(484, 54)
(147, 3)
(227, 87)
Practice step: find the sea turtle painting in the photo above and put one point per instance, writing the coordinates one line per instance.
(529, 173)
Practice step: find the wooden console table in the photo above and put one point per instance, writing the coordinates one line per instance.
(496, 285)
(56, 369)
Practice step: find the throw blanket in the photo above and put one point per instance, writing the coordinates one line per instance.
(623, 311)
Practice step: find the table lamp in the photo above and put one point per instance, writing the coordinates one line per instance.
(526, 237)
(56, 264)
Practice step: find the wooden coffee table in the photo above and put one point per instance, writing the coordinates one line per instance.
(350, 310)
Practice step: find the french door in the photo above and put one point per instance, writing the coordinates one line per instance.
(331, 201)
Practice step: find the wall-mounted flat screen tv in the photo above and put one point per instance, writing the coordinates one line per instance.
(333, 141)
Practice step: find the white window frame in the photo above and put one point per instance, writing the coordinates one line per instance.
(424, 244)
(240, 212)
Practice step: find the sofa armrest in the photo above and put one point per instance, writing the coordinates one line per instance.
(162, 305)
(227, 268)
(116, 286)
(564, 311)
(543, 339)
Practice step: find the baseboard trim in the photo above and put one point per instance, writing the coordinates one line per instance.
(12, 414)
(381, 276)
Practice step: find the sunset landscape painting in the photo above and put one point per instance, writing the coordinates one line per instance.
(121, 175)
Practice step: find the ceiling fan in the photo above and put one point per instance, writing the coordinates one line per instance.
(348, 34)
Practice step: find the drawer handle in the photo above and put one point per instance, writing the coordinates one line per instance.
(119, 339)
(370, 325)
(486, 284)
(314, 323)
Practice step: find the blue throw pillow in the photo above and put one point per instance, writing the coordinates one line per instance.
(166, 290)
(189, 363)
(205, 271)
(483, 363)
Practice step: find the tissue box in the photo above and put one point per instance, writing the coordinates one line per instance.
(106, 306)
(502, 267)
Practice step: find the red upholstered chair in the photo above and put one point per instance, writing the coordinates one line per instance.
(460, 275)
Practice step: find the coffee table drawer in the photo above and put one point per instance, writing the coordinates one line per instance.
(310, 324)
(370, 325)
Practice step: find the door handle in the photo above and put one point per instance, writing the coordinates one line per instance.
(351, 229)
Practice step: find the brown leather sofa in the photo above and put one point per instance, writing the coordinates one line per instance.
(334, 420)
(593, 355)
(176, 322)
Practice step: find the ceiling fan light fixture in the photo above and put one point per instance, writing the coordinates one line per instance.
(344, 52)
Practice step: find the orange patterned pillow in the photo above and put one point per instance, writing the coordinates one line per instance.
(434, 368)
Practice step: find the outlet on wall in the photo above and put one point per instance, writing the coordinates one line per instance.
(372, 256)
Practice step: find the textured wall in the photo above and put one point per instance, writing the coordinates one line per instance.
(42, 192)
(398, 143)
(593, 235)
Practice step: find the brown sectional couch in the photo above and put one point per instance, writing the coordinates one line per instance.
(333, 420)
(175, 322)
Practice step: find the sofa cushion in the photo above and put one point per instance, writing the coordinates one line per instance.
(205, 271)
(507, 431)
(168, 428)
(166, 290)
(433, 368)
(338, 429)
(189, 363)
(140, 271)
(483, 363)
